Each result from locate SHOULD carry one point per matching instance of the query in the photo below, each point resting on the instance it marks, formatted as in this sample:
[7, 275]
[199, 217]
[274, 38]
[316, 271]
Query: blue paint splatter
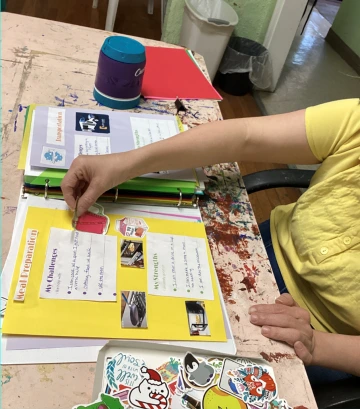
[62, 102]
[161, 111]
[10, 110]
[15, 123]
[20, 107]
[74, 96]
[196, 115]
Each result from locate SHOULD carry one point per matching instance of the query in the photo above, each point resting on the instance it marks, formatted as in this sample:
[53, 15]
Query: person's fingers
[286, 299]
[287, 335]
[295, 312]
[276, 320]
[303, 352]
[69, 187]
[89, 197]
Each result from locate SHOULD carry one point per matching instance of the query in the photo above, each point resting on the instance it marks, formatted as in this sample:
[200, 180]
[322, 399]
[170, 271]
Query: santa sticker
[151, 393]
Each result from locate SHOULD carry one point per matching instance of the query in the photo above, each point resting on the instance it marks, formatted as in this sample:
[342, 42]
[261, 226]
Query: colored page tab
[171, 74]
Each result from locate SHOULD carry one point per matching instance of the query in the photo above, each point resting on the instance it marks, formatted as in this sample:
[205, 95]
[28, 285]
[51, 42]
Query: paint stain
[15, 122]
[249, 280]
[276, 357]
[10, 209]
[44, 371]
[20, 108]
[3, 197]
[226, 283]
[237, 318]
[61, 101]
[5, 379]
[92, 369]
[255, 229]
[227, 236]
[300, 407]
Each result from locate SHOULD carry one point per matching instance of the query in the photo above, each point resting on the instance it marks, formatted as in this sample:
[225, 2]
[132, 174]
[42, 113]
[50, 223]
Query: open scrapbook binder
[46, 155]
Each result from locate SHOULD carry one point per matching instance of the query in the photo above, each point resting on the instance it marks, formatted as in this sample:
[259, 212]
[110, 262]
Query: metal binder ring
[46, 188]
[116, 194]
[180, 198]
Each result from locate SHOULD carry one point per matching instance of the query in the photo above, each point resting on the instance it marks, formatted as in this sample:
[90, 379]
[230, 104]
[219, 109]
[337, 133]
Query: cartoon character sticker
[53, 156]
[151, 393]
[253, 384]
[199, 373]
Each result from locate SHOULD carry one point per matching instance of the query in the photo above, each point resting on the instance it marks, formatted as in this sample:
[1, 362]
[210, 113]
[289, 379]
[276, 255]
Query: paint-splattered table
[53, 63]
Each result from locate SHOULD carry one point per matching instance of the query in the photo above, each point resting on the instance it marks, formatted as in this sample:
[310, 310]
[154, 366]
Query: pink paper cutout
[92, 223]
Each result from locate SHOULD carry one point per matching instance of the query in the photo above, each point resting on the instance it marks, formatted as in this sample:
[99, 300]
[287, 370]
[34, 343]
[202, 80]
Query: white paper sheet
[146, 131]
[91, 145]
[187, 260]
[79, 266]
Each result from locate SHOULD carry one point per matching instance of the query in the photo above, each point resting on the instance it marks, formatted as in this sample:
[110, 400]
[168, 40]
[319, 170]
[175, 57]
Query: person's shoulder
[331, 125]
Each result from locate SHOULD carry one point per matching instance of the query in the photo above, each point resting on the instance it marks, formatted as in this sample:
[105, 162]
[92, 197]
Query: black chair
[343, 394]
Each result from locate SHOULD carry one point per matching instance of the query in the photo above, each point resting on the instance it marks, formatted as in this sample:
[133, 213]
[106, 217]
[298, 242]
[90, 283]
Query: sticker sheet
[189, 381]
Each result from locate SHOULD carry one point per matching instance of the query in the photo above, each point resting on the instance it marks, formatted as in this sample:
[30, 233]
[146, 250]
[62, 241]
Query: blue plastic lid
[124, 49]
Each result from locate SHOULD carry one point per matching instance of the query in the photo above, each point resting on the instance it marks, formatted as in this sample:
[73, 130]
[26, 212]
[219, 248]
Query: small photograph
[132, 254]
[133, 309]
[197, 318]
[97, 123]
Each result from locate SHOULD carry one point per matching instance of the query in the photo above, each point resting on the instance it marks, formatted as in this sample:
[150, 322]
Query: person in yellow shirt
[316, 241]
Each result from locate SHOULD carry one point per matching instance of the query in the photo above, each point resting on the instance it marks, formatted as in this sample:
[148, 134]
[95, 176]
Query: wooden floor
[135, 21]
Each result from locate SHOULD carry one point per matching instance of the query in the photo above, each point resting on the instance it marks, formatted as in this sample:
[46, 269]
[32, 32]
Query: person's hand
[90, 176]
[286, 321]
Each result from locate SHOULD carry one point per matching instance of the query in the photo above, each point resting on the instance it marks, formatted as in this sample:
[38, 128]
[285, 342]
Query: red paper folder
[170, 73]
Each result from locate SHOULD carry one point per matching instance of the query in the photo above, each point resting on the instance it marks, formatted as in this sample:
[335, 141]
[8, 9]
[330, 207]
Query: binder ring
[116, 195]
[180, 198]
[46, 188]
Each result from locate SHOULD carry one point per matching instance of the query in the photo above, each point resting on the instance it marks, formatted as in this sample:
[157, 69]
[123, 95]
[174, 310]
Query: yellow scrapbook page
[145, 279]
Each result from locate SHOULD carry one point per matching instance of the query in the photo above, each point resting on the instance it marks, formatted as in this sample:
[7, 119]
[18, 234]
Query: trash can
[206, 28]
[245, 63]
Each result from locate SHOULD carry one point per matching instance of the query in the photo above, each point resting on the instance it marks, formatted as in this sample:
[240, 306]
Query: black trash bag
[245, 63]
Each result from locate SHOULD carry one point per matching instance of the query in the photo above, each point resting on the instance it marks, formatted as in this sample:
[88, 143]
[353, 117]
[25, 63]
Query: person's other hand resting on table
[315, 242]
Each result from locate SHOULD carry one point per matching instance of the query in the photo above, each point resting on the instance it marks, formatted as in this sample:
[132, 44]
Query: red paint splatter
[277, 356]
[300, 407]
[231, 302]
[225, 281]
[249, 280]
[255, 229]
[237, 318]
[3, 197]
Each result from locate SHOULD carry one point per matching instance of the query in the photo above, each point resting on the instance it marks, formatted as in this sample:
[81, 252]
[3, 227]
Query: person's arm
[279, 139]
[285, 321]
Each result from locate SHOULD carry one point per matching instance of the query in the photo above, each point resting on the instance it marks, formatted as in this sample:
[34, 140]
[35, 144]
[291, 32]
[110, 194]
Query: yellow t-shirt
[317, 239]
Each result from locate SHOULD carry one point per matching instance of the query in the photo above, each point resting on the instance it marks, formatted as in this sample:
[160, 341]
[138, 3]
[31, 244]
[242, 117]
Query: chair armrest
[342, 394]
[273, 178]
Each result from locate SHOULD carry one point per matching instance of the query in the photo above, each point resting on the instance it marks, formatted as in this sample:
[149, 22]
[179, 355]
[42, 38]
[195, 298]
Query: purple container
[120, 73]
